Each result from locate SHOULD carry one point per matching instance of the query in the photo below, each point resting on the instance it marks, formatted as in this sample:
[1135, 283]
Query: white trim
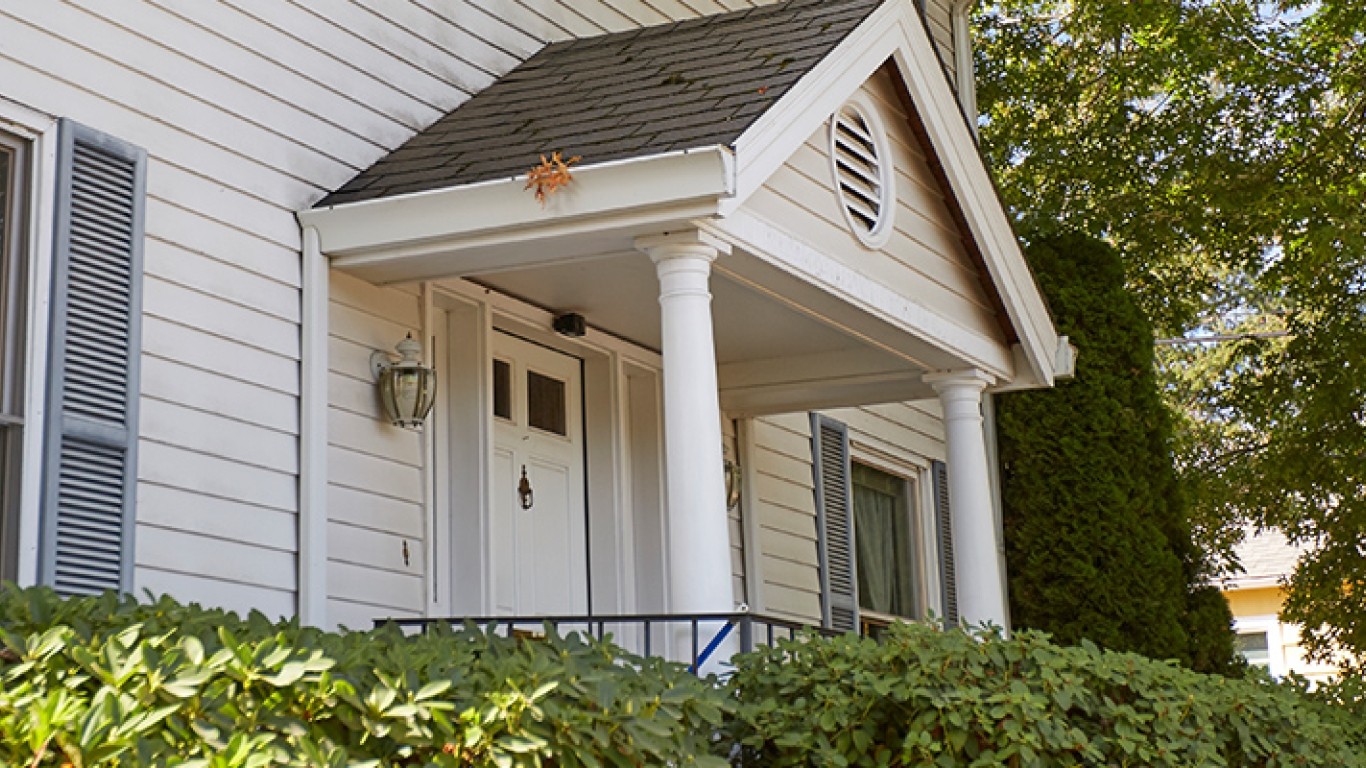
[747, 448]
[41, 130]
[772, 245]
[313, 409]
[398, 238]
[895, 31]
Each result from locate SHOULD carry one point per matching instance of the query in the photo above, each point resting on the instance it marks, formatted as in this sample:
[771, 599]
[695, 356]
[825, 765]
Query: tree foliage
[1097, 542]
[1217, 144]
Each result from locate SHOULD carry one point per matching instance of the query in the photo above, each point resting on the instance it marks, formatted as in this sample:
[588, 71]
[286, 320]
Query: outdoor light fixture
[732, 484]
[407, 388]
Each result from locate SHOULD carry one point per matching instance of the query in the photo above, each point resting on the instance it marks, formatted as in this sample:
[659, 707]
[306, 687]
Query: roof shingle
[648, 91]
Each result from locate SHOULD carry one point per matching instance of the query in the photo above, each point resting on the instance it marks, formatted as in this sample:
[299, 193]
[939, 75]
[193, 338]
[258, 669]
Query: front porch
[726, 288]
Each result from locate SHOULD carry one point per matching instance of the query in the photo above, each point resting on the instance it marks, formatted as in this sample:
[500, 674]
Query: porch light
[732, 472]
[407, 388]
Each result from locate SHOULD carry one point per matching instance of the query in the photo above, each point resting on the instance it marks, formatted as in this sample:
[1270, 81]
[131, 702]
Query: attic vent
[863, 178]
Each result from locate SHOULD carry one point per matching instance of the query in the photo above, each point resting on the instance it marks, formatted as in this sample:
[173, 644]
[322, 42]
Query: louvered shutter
[834, 523]
[948, 579]
[90, 462]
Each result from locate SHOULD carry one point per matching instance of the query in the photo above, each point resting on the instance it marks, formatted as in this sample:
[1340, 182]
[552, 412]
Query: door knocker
[524, 491]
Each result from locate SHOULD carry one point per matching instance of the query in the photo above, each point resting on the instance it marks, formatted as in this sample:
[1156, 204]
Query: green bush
[1097, 537]
[110, 681]
[925, 697]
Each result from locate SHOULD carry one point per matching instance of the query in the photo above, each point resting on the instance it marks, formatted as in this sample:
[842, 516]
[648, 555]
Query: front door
[539, 560]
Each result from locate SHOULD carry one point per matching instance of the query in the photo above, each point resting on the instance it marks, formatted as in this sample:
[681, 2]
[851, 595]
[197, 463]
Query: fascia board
[484, 212]
[894, 31]
[770, 244]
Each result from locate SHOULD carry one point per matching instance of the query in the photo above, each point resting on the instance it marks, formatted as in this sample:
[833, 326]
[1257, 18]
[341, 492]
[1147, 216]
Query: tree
[1097, 542]
[1217, 145]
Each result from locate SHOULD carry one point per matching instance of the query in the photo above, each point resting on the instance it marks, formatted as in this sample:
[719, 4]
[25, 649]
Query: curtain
[882, 542]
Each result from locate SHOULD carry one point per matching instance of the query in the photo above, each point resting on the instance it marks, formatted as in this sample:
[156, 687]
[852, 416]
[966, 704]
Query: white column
[699, 578]
[978, 570]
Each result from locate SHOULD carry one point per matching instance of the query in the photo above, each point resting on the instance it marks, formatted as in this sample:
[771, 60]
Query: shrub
[110, 681]
[925, 697]
[1097, 537]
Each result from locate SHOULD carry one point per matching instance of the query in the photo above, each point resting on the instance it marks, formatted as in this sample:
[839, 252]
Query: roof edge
[506, 208]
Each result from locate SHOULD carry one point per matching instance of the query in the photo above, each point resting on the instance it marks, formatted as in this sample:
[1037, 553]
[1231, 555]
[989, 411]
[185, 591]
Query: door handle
[524, 492]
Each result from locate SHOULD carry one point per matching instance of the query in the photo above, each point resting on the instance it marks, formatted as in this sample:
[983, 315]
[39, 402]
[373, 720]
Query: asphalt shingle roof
[691, 84]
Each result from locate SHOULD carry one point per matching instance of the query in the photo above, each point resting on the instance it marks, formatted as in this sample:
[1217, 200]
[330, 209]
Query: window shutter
[834, 523]
[948, 579]
[90, 462]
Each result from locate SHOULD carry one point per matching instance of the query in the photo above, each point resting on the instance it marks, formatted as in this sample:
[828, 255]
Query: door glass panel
[545, 403]
[502, 389]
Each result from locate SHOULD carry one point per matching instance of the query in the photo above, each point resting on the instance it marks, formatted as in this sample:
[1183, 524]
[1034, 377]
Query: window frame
[14, 324]
[909, 512]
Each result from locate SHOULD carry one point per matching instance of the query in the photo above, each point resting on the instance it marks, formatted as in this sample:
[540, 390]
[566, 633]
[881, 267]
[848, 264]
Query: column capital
[968, 379]
[683, 243]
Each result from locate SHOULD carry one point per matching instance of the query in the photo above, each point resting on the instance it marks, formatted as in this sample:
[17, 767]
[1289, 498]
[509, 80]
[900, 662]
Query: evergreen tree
[1097, 541]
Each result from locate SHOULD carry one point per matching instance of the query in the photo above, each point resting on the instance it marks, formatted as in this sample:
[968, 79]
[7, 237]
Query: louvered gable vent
[90, 463]
[862, 178]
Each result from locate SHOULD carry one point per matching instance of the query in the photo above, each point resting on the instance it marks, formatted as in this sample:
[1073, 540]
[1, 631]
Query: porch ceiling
[773, 354]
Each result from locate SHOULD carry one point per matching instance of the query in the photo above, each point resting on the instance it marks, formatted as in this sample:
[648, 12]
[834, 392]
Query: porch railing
[697, 638]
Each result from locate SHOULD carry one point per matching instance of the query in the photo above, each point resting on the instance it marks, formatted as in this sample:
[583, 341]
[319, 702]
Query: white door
[539, 560]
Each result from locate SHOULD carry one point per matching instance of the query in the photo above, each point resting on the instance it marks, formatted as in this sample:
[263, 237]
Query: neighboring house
[1255, 597]
[214, 212]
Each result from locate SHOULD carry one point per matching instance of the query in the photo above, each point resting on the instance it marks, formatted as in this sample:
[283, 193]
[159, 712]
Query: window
[878, 555]
[13, 193]
[1255, 647]
[884, 549]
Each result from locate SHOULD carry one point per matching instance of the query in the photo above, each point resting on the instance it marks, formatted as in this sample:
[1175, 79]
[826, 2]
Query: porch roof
[651, 91]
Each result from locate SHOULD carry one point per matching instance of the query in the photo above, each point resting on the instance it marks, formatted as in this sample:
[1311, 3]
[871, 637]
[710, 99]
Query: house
[1255, 598]
[778, 258]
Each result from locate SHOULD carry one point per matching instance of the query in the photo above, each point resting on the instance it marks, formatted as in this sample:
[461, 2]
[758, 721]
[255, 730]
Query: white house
[791, 267]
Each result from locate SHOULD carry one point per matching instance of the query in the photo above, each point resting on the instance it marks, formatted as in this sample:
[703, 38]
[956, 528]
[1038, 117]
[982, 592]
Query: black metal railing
[697, 638]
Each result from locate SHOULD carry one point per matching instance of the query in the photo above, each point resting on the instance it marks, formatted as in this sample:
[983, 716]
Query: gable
[926, 248]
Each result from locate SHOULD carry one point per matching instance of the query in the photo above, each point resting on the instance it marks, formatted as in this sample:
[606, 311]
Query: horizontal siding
[786, 508]
[376, 501]
[939, 23]
[925, 257]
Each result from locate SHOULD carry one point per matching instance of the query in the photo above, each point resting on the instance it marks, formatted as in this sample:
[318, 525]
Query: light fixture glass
[407, 388]
[733, 483]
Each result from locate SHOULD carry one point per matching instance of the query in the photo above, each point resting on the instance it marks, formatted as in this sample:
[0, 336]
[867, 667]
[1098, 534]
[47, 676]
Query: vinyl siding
[939, 23]
[251, 111]
[925, 257]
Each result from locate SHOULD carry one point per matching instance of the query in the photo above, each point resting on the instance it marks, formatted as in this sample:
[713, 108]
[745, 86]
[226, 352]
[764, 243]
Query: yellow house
[1256, 597]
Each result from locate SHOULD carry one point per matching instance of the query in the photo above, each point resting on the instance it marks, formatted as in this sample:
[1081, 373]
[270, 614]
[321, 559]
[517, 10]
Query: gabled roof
[697, 83]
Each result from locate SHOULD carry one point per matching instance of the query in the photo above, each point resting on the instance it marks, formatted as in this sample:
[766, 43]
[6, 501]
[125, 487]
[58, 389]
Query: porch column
[699, 578]
[977, 562]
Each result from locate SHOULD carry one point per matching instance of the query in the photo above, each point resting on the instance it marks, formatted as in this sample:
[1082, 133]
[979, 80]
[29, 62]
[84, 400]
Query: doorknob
[524, 492]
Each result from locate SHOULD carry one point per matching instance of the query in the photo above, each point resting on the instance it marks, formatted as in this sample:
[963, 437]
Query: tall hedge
[1097, 541]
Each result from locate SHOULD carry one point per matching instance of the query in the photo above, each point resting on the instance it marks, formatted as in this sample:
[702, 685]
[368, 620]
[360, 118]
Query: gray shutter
[90, 461]
[834, 523]
[948, 579]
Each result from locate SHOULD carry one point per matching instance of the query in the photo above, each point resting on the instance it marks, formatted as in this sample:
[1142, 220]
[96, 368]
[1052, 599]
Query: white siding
[939, 23]
[376, 499]
[925, 258]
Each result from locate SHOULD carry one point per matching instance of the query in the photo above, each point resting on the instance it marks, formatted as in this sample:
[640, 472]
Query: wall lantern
[407, 388]
[732, 471]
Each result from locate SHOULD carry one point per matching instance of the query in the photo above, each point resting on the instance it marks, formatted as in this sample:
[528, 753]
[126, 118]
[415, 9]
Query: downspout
[312, 594]
[965, 78]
